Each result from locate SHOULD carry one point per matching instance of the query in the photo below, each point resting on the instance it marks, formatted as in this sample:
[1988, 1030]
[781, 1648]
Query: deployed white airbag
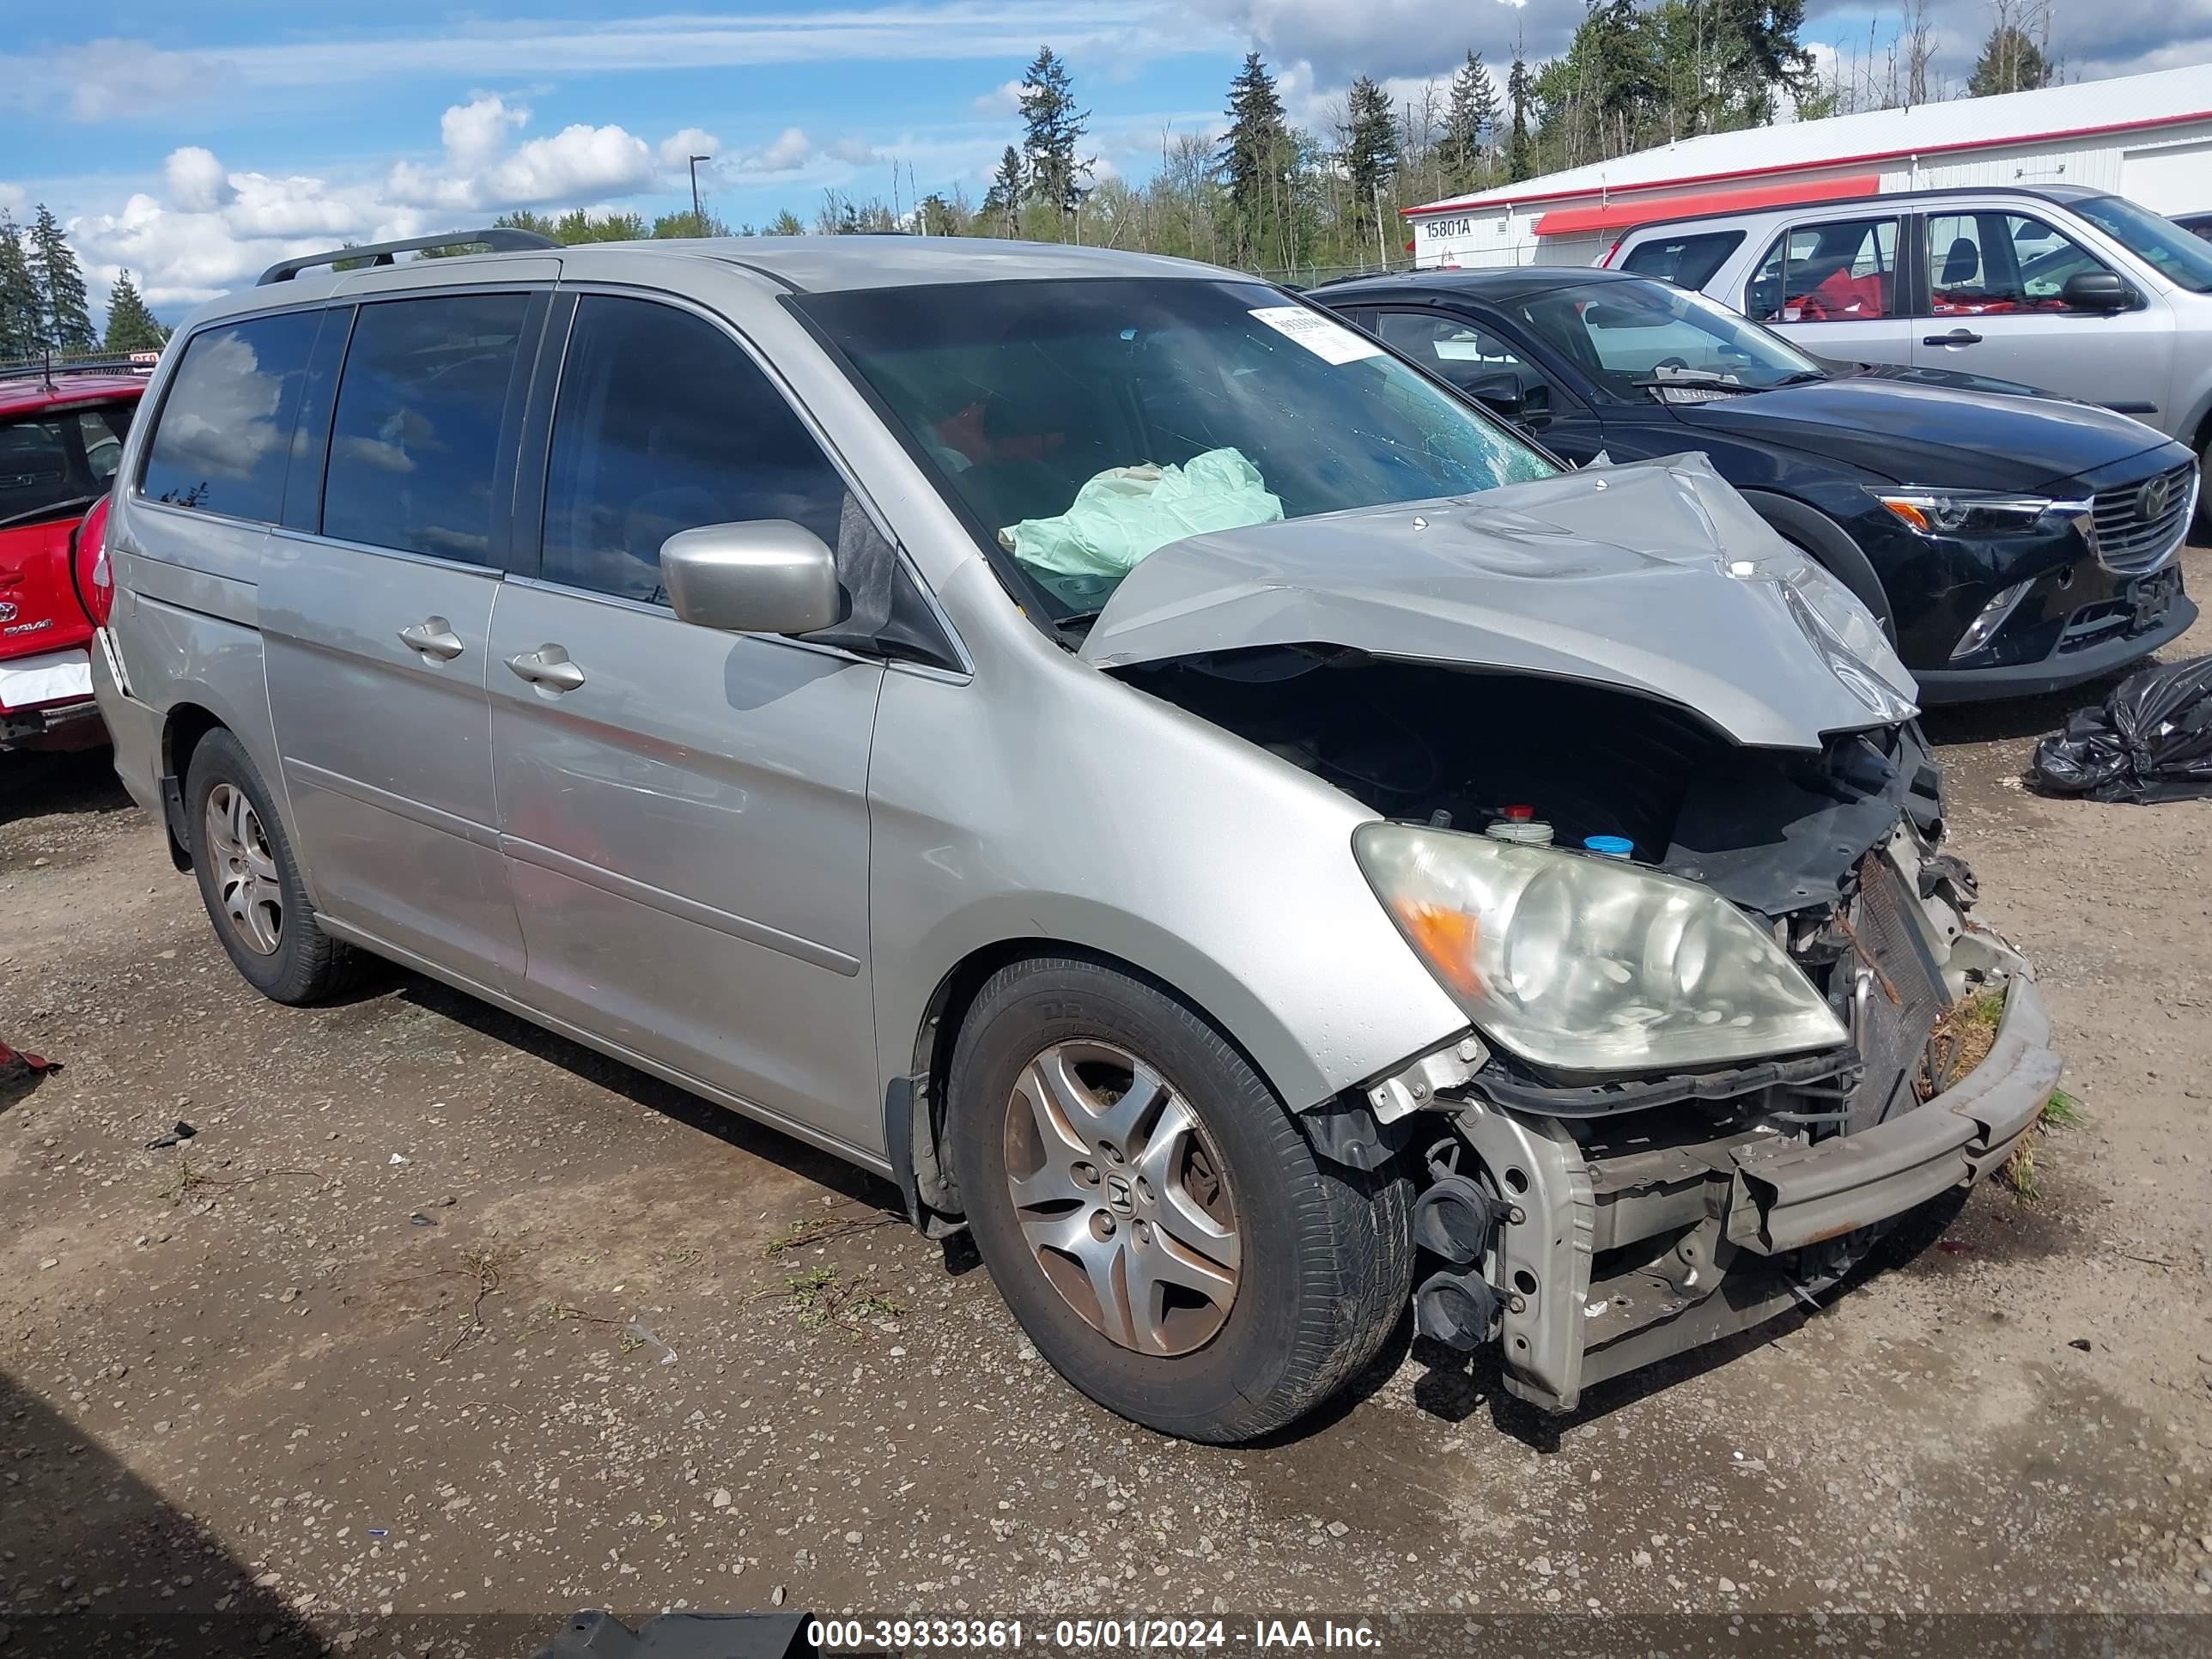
[1125, 512]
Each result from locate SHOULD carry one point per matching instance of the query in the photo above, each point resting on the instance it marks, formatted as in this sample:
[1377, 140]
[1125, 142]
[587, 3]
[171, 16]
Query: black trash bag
[2149, 740]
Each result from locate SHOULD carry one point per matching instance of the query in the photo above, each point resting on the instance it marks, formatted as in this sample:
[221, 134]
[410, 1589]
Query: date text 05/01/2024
[830, 1636]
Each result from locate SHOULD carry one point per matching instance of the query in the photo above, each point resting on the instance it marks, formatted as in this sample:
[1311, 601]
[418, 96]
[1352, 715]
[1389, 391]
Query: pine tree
[22, 330]
[1470, 122]
[2010, 62]
[130, 326]
[785, 223]
[1252, 149]
[1055, 127]
[1370, 149]
[66, 316]
[1002, 203]
[1520, 150]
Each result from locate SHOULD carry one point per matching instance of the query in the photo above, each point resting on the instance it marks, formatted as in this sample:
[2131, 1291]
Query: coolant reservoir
[1521, 825]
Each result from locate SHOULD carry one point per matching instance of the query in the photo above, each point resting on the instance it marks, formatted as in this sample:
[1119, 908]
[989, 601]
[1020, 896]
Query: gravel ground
[440, 1326]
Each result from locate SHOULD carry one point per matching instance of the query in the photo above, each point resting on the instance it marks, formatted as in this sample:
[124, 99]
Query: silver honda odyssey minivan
[1100, 744]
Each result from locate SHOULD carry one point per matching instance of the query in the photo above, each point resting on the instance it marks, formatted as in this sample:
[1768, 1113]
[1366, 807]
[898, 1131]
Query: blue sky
[195, 143]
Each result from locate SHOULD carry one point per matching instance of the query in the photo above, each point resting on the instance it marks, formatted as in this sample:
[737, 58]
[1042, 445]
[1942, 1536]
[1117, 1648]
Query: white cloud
[12, 199]
[791, 151]
[197, 182]
[855, 152]
[1005, 99]
[216, 226]
[477, 131]
[110, 79]
[577, 161]
[678, 148]
[131, 77]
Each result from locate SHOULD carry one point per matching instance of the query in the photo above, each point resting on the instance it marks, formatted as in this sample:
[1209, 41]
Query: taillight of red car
[95, 579]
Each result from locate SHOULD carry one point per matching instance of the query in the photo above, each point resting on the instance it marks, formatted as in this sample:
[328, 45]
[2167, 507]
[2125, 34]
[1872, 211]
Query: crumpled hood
[1611, 575]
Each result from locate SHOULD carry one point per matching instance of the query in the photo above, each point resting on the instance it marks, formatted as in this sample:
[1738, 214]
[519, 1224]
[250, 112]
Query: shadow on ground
[35, 785]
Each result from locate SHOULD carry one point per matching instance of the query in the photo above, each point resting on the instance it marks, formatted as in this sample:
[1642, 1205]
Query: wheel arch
[917, 1101]
[183, 728]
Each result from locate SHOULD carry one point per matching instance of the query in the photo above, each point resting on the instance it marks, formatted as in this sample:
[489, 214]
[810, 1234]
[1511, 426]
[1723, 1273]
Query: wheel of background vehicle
[1152, 1215]
[250, 882]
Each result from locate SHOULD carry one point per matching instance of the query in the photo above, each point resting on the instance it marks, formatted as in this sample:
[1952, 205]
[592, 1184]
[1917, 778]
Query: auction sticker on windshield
[1331, 342]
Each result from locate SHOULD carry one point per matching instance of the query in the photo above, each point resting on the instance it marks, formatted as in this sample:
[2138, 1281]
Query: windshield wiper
[51, 510]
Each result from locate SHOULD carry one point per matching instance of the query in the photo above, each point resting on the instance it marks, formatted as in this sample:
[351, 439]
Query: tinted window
[51, 465]
[415, 440]
[1845, 272]
[664, 424]
[226, 424]
[1684, 261]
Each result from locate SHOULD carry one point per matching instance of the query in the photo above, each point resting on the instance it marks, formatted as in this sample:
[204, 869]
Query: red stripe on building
[1620, 215]
[1498, 204]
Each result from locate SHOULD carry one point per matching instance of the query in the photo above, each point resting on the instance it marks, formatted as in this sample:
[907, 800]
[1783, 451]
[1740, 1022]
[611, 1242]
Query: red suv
[61, 438]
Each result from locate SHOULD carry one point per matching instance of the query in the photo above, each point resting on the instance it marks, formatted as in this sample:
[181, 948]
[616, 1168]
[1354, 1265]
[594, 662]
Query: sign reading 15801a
[1446, 226]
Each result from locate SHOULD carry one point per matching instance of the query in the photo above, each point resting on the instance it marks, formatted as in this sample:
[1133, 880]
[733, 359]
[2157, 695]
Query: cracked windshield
[1082, 425]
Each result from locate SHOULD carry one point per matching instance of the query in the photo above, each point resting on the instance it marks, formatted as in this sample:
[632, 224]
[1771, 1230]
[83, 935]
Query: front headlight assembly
[1978, 512]
[1588, 965]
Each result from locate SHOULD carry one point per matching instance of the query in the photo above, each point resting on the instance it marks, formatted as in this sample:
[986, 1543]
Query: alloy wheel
[252, 892]
[1122, 1198]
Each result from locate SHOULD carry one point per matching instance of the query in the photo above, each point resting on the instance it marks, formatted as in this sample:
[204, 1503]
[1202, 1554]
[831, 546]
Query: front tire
[1153, 1217]
[250, 880]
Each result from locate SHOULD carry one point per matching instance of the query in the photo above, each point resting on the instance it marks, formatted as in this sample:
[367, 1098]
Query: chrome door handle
[1956, 336]
[548, 666]
[432, 636]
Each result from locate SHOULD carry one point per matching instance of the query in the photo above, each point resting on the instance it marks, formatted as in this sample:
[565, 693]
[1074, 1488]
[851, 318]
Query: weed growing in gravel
[2061, 1111]
[821, 1295]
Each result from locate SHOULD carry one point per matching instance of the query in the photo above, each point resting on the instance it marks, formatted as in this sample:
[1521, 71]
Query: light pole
[698, 219]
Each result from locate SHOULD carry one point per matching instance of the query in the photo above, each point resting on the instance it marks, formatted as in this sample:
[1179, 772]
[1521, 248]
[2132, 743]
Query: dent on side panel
[1046, 799]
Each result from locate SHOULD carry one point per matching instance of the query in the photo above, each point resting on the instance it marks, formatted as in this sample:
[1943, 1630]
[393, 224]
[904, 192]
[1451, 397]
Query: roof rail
[106, 362]
[500, 239]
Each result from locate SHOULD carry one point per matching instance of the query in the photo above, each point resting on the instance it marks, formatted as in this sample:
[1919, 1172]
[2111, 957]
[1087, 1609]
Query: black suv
[2011, 543]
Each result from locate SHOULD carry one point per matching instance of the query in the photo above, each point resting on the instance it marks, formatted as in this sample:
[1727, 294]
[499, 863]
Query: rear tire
[250, 880]
[1320, 1256]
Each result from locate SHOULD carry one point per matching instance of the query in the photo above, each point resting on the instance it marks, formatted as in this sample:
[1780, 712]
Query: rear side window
[1845, 272]
[1684, 261]
[415, 438]
[663, 424]
[226, 424]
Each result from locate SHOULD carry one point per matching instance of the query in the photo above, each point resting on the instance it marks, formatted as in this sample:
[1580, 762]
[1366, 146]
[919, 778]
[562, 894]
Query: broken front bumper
[1608, 1262]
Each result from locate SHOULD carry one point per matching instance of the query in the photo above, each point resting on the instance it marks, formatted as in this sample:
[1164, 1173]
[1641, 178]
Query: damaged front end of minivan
[1659, 819]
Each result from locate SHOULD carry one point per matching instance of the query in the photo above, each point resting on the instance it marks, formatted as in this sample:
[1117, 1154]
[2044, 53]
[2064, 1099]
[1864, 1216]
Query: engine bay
[1778, 831]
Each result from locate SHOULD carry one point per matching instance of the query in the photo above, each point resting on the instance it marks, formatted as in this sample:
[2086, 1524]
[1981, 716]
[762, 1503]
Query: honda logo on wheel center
[1119, 1197]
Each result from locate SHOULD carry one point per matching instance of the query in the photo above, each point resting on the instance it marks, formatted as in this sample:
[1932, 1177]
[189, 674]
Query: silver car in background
[1095, 741]
[2078, 292]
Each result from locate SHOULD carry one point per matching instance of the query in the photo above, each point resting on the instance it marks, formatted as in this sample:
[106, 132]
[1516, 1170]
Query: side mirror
[2096, 290]
[762, 576]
